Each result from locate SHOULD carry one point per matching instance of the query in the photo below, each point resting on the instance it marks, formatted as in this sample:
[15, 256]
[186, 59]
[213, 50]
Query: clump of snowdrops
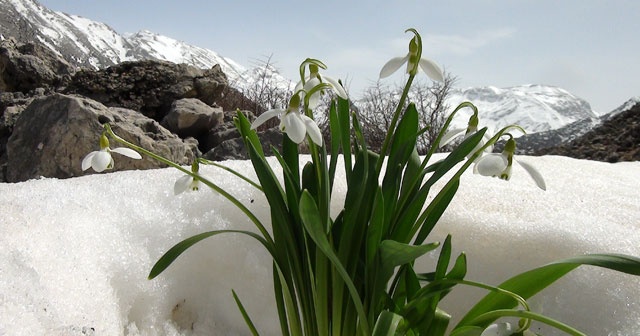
[353, 274]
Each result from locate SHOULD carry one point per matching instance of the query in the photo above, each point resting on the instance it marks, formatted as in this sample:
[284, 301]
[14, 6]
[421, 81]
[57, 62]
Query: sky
[587, 47]
[72, 263]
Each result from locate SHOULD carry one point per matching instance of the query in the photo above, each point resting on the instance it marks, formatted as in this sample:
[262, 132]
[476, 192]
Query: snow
[75, 253]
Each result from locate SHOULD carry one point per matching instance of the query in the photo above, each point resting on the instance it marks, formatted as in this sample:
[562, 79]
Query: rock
[190, 117]
[222, 132]
[55, 132]
[233, 149]
[27, 66]
[149, 86]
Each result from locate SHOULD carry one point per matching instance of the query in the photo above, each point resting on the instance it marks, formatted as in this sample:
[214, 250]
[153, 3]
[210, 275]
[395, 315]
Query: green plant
[353, 274]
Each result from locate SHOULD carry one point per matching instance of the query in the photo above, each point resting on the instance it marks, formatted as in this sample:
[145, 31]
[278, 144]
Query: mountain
[87, 43]
[537, 108]
[535, 143]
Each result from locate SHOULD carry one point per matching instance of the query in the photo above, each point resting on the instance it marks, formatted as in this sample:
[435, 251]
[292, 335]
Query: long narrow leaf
[531, 282]
[170, 256]
[387, 324]
[246, 317]
[312, 222]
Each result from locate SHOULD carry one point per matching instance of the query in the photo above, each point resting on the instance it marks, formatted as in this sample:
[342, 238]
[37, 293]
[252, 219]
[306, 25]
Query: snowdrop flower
[499, 329]
[499, 165]
[314, 79]
[101, 160]
[187, 182]
[413, 60]
[292, 122]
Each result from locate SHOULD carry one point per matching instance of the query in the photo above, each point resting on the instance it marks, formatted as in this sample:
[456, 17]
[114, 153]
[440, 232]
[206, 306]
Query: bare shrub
[258, 90]
[375, 110]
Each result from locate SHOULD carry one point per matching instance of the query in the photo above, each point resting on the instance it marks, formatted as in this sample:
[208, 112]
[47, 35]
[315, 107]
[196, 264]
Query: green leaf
[336, 139]
[310, 216]
[467, 331]
[404, 138]
[531, 282]
[248, 135]
[387, 324]
[246, 317]
[170, 256]
[438, 326]
[393, 253]
[435, 210]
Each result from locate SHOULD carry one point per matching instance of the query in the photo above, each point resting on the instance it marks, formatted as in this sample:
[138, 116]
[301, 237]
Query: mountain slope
[535, 107]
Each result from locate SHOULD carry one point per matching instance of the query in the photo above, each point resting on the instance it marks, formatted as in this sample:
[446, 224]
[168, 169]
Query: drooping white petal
[101, 161]
[393, 65]
[182, 184]
[337, 88]
[313, 130]
[128, 152]
[294, 127]
[450, 135]
[499, 329]
[86, 162]
[490, 165]
[431, 69]
[266, 116]
[535, 174]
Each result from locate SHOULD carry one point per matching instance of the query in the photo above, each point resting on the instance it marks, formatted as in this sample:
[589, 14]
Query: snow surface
[75, 253]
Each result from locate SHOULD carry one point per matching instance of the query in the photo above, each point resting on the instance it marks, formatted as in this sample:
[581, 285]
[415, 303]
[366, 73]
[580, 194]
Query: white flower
[184, 183]
[101, 160]
[499, 165]
[428, 66]
[314, 80]
[292, 122]
[499, 329]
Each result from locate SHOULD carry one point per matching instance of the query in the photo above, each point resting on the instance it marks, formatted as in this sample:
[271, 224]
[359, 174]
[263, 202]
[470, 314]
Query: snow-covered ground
[75, 253]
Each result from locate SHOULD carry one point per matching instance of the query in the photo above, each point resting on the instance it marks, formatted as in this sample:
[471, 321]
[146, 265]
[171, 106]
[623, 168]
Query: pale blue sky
[590, 48]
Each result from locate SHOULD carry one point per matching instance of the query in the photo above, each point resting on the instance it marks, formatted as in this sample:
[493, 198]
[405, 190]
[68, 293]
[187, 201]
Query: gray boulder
[233, 149]
[222, 132]
[54, 133]
[190, 117]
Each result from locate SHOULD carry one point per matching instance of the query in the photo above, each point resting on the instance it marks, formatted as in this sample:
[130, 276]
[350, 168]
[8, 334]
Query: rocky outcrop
[25, 67]
[149, 87]
[190, 117]
[54, 133]
[616, 139]
[233, 149]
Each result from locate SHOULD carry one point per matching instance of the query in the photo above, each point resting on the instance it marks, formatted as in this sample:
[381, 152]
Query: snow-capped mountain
[88, 43]
[537, 108]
